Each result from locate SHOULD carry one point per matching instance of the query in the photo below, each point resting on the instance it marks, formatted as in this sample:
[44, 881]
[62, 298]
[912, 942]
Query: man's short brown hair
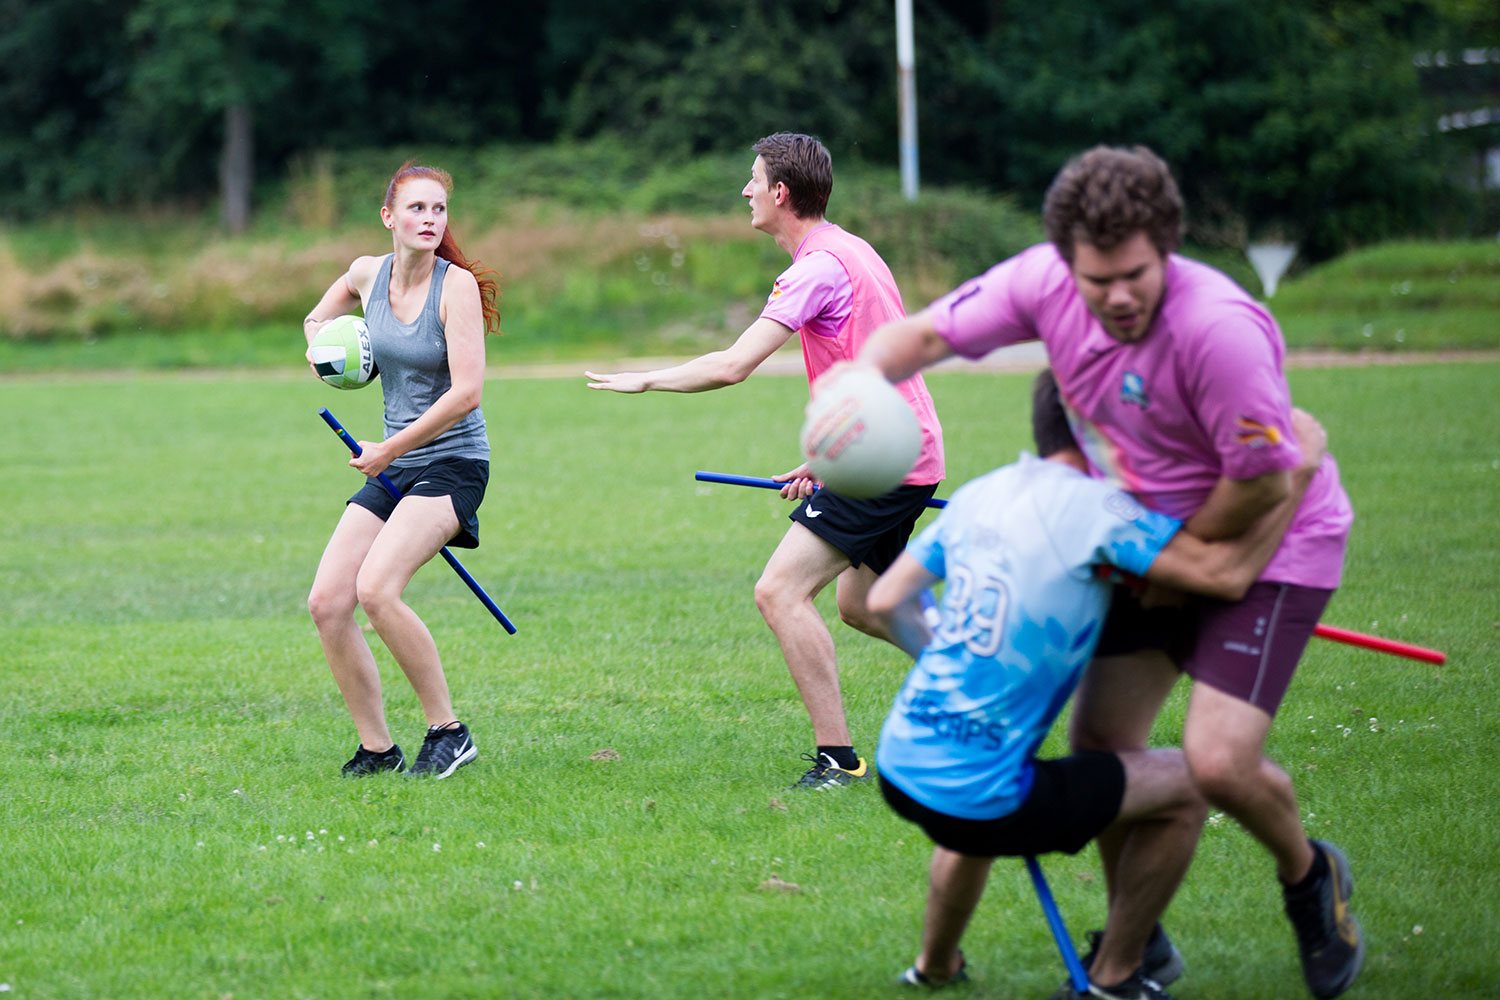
[801, 163]
[1107, 194]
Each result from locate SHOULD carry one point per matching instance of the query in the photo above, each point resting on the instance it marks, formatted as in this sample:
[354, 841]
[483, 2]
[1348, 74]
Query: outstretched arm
[1226, 568]
[709, 371]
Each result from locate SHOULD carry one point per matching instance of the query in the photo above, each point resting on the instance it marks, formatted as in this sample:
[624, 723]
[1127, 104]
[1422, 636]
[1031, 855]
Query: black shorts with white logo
[1072, 800]
[870, 532]
[461, 479]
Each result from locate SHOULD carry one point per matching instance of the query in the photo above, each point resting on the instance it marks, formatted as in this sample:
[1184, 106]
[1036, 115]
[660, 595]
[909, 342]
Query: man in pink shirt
[1172, 379]
[835, 293]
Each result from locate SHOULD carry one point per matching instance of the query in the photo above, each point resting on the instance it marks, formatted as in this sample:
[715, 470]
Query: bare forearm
[1234, 506]
[1226, 568]
[444, 414]
[908, 628]
[902, 348]
[711, 371]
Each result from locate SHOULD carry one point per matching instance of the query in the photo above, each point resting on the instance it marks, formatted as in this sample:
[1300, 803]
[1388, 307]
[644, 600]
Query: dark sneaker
[368, 762]
[1161, 963]
[444, 751]
[825, 773]
[1137, 987]
[1328, 936]
[911, 977]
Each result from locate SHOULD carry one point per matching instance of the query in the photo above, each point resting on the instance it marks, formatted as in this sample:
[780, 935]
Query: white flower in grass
[516, 885]
[324, 833]
[311, 835]
[479, 844]
[341, 838]
[1417, 929]
[280, 838]
[437, 848]
[373, 843]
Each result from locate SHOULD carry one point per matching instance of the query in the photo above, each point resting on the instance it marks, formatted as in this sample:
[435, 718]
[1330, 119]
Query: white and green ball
[341, 353]
[861, 437]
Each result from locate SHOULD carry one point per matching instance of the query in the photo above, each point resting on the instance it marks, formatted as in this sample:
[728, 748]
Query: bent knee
[1105, 731]
[1224, 777]
[856, 614]
[327, 605]
[771, 597]
[375, 595]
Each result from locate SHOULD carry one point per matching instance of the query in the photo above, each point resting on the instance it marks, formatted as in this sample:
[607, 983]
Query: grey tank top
[413, 361]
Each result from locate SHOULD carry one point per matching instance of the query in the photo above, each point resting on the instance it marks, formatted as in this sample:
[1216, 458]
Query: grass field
[175, 826]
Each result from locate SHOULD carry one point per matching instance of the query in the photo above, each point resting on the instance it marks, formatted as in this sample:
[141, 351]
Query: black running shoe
[825, 773]
[1328, 936]
[368, 762]
[1162, 963]
[1137, 987]
[911, 977]
[444, 751]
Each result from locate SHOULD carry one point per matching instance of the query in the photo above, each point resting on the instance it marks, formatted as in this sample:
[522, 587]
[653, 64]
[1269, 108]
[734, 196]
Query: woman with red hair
[428, 309]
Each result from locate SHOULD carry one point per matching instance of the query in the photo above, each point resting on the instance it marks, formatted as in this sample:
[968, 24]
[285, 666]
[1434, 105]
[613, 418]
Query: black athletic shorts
[871, 532]
[1072, 800]
[461, 479]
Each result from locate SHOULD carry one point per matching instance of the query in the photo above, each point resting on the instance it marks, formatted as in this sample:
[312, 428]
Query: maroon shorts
[1248, 648]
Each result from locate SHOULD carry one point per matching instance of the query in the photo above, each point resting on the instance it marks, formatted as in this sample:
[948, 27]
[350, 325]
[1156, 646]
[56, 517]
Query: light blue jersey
[1022, 550]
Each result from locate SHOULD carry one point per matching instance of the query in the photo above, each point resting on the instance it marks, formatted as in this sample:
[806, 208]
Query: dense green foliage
[175, 824]
[1311, 120]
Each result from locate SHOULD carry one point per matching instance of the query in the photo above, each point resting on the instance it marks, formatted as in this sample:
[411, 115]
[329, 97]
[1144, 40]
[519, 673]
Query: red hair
[489, 287]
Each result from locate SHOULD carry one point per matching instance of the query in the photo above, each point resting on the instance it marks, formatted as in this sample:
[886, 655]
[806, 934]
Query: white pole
[906, 73]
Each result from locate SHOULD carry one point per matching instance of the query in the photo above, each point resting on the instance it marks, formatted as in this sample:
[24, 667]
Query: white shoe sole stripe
[463, 758]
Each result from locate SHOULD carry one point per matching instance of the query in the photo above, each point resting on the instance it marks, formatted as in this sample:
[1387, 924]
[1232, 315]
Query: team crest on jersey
[1254, 434]
[776, 290]
[1133, 390]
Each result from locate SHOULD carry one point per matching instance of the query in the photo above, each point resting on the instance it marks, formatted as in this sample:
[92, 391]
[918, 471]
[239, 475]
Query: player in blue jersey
[1028, 551]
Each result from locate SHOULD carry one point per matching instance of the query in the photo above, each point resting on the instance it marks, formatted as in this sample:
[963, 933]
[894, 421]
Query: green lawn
[175, 826]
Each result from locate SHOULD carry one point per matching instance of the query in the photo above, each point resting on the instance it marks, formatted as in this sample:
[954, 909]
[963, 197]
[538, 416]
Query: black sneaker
[369, 762]
[911, 977]
[1161, 964]
[1328, 936]
[1137, 987]
[444, 751]
[825, 773]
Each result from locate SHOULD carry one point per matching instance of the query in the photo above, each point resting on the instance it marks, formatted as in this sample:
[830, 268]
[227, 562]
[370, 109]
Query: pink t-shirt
[1202, 396]
[835, 293]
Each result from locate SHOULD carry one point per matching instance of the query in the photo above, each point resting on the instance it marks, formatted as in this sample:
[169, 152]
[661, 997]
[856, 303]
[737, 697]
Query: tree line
[1310, 121]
